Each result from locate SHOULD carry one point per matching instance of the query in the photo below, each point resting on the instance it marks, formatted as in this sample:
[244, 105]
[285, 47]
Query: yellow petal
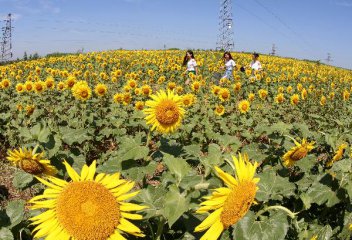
[129, 227]
[131, 216]
[127, 196]
[71, 172]
[214, 231]
[210, 220]
[227, 178]
[128, 207]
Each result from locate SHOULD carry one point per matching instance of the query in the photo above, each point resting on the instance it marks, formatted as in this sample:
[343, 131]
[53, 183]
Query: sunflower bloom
[146, 90]
[297, 152]
[263, 94]
[251, 97]
[338, 155]
[322, 100]
[224, 94]
[295, 99]
[81, 91]
[39, 87]
[219, 110]
[164, 112]
[244, 106]
[196, 86]
[279, 98]
[88, 207]
[118, 98]
[100, 89]
[5, 83]
[61, 86]
[215, 90]
[231, 203]
[188, 100]
[19, 87]
[30, 161]
[139, 105]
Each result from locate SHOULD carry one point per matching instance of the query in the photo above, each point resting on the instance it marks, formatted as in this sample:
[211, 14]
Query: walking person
[191, 64]
[255, 64]
[229, 66]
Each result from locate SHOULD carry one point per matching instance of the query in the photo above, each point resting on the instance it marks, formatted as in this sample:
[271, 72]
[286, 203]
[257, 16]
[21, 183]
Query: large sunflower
[297, 152]
[229, 204]
[88, 207]
[165, 111]
[30, 161]
[81, 91]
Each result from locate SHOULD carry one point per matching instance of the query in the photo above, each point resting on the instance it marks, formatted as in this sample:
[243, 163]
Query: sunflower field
[116, 145]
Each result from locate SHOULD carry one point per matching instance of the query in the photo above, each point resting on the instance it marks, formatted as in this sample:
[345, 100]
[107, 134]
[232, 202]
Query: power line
[263, 21]
[299, 36]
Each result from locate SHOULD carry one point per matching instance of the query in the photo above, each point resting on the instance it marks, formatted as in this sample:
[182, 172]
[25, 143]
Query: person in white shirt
[191, 64]
[229, 65]
[255, 64]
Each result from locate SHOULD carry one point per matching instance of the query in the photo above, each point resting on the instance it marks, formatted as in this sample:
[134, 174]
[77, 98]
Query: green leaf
[325, 233]
[130, 149]
[253, 152]
[274, 187]
[175, 204]
[71, 136]
[192, 150]
[153, 197]
[15, 211]
[22, 179]
[40, 132]
[232, 141]
[213, 157]
[273, 227]
[189, 182]
[279, 127]
[320, 194]
[6, 234]
[177, 166]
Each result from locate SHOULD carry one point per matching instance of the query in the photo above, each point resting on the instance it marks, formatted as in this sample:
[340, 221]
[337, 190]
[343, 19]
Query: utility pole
[225, 39]
[6, 45]
[329, 58]
[273, 50]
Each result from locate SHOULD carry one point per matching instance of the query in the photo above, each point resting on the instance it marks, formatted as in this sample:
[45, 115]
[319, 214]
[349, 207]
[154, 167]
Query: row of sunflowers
[126, 145]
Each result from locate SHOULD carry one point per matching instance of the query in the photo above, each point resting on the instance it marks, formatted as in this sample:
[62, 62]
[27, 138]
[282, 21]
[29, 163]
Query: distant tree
[35, 56]
[25, 57]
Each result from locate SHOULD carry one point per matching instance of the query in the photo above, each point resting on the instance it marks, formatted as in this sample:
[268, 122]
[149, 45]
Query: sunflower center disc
[31, 166]
[238, 203]
[87, 210]
[299, 154]
[84, 93]
[167, 112]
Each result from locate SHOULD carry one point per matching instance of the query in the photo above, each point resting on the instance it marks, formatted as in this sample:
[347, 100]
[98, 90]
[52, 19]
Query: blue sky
[306, 29]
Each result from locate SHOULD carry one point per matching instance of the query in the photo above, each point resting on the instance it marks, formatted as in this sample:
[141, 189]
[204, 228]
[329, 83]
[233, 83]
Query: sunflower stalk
[160, 228]
[289, 212]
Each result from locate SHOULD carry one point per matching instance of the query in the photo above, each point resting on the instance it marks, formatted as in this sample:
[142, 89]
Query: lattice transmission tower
[225, 39]
[6, 45]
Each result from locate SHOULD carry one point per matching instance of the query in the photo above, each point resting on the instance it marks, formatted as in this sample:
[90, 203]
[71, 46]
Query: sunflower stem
[160, 228]
[289, 213]
[148, 138]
